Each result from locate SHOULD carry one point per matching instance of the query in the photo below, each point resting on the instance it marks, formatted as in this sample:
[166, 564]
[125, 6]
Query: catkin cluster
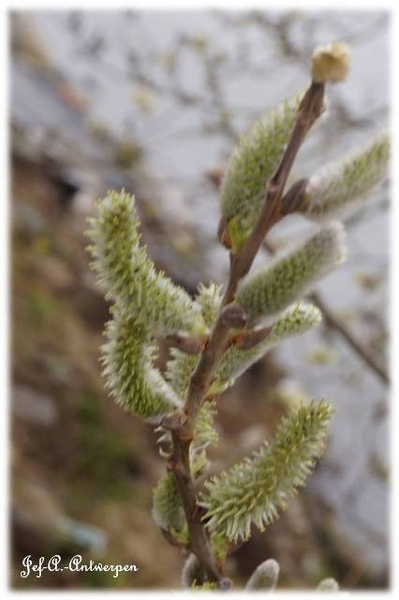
[267, 309]
[145, 304]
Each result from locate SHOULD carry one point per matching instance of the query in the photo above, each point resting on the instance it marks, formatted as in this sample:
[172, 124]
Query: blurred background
[153, 101]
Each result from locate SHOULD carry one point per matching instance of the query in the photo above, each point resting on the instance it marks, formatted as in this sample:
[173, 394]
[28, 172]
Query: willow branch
[179, 463]
[182, 426]
[310, 109]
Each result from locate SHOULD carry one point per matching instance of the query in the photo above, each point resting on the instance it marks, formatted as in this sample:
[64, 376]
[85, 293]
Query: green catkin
[205, 434]
[328, 585]
[167, 509]
[264, 577]
[127, 274]
[296, 319]
[255, 489]
[178, 370]
[180, 365]
[290, 275]
[251, 164]
[338, 190]
[209, 298]
[127, 356]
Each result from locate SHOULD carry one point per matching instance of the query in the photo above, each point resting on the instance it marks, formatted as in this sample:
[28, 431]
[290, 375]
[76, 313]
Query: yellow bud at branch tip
[330, 63]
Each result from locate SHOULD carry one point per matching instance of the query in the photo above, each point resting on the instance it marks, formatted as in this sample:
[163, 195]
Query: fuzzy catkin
[255, 489]
[128, 275]
[297, 319]
[127, 356]
[338, 190]
[209, 298]
[328, 585]
[179, 369]
[265, 576]
[167, 509]
[251, 164]
[271, 290]
[180, 365]
[205, 434]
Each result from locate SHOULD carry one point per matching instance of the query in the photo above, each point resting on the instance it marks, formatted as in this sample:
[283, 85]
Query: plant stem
[179, 462]
[310, 109]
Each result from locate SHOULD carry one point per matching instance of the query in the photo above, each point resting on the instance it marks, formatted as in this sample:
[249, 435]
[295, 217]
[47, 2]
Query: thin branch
[351, 339]
[182, 425]
[179, 463]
